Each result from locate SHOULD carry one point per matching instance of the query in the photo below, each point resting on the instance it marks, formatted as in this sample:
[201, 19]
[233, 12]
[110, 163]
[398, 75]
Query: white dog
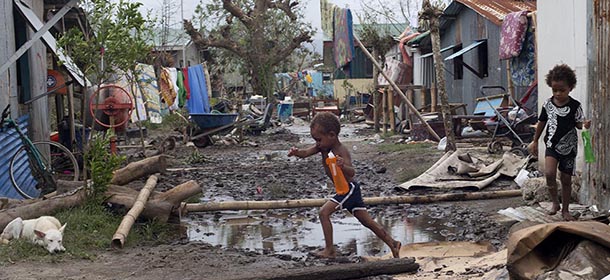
[46, 231]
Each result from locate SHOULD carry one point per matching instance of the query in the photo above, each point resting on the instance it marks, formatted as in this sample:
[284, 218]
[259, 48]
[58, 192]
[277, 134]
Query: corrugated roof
[496, 10]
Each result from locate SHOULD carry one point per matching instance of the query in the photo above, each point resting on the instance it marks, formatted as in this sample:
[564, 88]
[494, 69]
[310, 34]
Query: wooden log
[118, 240]
[344, 271]
[418, 199]
[139, 169]
[40, 207]
[390, 100]
[160, 206]
[180, 193]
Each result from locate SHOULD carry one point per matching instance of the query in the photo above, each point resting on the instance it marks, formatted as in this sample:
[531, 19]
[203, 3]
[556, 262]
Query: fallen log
[118, 240]
[40, 207]
[344, 271]
[417, 199]
[160, 206]
[139, 169]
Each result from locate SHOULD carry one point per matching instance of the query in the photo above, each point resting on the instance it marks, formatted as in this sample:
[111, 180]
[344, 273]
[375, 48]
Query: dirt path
[236, 172]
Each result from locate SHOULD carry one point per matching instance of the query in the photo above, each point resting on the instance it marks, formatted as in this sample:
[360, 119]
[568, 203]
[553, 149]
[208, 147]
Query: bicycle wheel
[27, 177]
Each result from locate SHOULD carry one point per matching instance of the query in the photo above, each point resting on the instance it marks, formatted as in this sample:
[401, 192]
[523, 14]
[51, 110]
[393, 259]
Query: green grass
[89, 230]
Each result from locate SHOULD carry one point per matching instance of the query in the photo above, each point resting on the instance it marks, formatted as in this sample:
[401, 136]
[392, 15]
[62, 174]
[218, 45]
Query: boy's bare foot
[327, 254]
[396, 249]
[567, 216]
[553, 210]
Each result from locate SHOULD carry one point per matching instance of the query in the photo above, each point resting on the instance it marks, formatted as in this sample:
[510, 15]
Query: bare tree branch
[205, 42]
[237, 12]
[296, 42]
[286, 6]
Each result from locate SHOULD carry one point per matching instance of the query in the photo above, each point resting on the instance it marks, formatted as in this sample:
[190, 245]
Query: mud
[263, 172]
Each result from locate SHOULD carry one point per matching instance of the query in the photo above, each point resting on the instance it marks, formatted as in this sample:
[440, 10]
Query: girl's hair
[326, 122]
[562, 72]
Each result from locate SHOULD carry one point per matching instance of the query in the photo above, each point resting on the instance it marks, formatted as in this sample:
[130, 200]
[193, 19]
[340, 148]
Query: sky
[312, 12]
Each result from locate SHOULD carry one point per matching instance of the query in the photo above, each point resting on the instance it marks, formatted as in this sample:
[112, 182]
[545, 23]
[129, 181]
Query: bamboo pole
[397, 89]
[302, 203]
[118, 240]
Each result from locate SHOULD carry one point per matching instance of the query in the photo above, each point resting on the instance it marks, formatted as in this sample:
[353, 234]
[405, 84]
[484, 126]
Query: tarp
[445, 173]
[534, 250]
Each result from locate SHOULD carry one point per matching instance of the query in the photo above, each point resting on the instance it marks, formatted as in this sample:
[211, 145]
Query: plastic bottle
[586, 140]
[341, 186]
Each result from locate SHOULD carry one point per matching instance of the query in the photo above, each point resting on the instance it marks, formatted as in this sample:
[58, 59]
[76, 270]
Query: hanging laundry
[168, 93]
[199, 102]
[514, 27]
[139, 114]
[523, 67]
[187, 87]
[181, 89]
[173, 75]
[150, 91]
[343, 38]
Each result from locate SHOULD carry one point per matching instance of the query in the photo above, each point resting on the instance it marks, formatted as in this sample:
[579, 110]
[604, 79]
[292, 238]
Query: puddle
[284, 234]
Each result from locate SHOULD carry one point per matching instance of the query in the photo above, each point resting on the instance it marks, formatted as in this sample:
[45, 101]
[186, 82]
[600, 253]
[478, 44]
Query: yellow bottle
[341, 186]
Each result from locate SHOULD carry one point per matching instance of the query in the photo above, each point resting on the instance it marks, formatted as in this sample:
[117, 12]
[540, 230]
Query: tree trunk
[139, 169]
[118, 240]
[345, 271]
[251, 205]
[161, 205]
[440, 77]
[40, 207]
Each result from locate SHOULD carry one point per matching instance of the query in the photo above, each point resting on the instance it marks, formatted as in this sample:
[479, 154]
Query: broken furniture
[258, 125]
[325, 105]
[302, 109]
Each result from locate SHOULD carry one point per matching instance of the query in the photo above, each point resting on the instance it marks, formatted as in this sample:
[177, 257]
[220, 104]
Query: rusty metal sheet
[496, 10]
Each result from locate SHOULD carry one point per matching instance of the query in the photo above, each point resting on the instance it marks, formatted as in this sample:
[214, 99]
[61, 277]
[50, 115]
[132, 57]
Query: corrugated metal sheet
[10, 141]
[496, 10]
[597, 177]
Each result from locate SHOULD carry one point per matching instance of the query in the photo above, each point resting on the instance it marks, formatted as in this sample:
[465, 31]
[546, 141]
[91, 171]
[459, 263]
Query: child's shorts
[565, 162]
[352, 200]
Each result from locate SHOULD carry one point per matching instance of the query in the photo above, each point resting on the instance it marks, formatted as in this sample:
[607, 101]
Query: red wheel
[116, 102]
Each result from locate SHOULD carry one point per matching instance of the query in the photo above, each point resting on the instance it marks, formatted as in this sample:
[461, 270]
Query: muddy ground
[263, 172]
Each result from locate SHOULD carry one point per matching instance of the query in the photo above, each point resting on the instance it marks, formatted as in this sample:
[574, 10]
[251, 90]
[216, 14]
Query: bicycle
[36, 166]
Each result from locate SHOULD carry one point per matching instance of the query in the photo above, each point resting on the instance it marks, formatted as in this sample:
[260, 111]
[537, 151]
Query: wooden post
[37, 56]
[509, 82]
[393, 84]
[376, 109]
[8, 79]
[432, 14]
[433, 99]
[390, 98]
[384, 106]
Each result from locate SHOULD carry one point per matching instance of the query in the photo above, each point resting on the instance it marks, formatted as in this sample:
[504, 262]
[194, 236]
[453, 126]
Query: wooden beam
[343, 270]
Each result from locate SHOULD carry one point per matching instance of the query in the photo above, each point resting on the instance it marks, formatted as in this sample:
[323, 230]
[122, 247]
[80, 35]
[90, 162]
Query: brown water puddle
[286, 233]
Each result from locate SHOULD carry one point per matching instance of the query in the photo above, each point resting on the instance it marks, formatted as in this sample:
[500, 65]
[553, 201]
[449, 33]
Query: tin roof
[496, 10]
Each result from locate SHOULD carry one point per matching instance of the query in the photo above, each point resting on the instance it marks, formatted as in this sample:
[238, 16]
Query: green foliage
[89, 230]
[118, 29]
[195, 158]
[255, 40]
[102, 163]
